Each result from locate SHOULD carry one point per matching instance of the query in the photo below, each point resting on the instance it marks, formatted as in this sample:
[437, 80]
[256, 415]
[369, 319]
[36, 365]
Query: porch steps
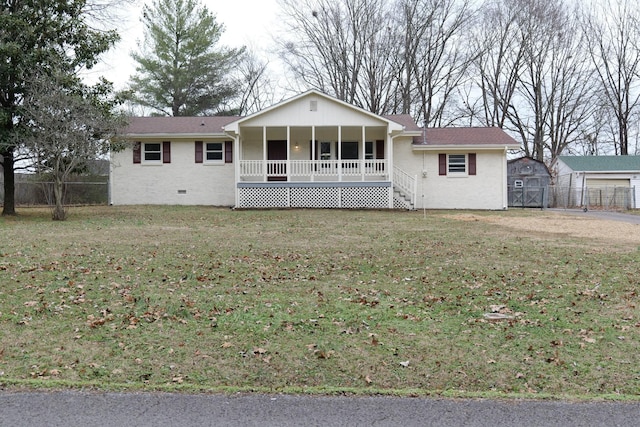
[402, 200]
[404, 189]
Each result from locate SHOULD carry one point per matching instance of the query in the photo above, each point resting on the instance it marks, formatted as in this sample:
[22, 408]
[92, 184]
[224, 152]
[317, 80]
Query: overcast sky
[247, 23]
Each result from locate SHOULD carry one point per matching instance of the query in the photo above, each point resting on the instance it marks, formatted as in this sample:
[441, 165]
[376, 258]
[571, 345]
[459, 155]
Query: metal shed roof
[602, 163]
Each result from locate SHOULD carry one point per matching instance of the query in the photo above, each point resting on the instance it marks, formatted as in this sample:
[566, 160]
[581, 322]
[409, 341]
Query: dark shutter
[380, 149]
[137, 152]
[166, 152]
[472, 163]
[442, 164]
[198, 151]
[228, 151]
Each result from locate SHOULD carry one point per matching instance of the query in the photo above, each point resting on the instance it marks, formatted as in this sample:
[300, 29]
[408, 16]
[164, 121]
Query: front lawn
[206, 299]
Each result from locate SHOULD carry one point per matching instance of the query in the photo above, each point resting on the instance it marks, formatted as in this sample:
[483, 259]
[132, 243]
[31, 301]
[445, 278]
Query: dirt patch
[602, 232]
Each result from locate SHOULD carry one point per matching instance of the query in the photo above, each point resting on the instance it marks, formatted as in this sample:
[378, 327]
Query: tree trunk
[9, 207]
[59, 213]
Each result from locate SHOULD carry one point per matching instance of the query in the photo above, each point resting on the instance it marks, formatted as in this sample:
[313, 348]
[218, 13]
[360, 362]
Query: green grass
[200, 299]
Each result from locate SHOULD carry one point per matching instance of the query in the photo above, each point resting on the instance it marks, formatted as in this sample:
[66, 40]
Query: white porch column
[236, 161]
[264, 153]
[390, 166]
[339, 153]
[362, 156]
[313, 152]
[288, 161]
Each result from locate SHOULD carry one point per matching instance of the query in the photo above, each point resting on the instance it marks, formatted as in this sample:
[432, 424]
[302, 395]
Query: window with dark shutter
[198, 151]
[228, 151]
[472, 163]
[442, 164]
[137, 152]
[166, 152]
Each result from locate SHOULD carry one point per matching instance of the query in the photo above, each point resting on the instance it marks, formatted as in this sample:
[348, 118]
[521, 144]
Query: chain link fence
[600, 197]
[29, 193]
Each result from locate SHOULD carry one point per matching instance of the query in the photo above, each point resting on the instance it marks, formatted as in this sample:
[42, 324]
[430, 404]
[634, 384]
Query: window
[214, 152]
[152, 152]
[457, 163]
[349, 150]
[325, 151]
[368, 150]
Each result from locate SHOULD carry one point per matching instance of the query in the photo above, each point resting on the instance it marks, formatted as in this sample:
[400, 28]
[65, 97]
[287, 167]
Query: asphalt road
[604, 215]
[88, 409]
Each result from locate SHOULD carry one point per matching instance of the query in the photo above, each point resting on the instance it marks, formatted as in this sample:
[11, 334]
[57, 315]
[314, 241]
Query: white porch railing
[308, 170]
[405, 184]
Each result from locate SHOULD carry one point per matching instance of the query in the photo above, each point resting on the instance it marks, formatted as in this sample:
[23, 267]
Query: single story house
[599, 180]
[310, 151]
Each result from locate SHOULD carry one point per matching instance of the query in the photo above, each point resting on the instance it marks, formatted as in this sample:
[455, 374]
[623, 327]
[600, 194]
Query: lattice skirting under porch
[320, 195]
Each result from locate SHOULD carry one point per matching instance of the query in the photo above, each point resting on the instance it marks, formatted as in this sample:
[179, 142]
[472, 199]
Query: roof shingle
[178, 125]
[464, 136]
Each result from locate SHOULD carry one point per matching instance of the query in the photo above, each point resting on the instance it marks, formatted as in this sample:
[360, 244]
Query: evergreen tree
[181, 71]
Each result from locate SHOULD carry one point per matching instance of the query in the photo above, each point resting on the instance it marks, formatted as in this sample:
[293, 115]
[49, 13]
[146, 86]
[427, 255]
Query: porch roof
[394, 126]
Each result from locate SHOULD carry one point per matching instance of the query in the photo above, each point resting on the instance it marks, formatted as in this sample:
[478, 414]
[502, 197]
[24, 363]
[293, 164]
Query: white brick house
[310, 151]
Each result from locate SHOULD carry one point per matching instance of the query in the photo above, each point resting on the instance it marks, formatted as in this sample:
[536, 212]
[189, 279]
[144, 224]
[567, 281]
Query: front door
[277, 150]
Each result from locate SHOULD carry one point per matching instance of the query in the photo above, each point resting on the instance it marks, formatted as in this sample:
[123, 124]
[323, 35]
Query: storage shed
[528, 183]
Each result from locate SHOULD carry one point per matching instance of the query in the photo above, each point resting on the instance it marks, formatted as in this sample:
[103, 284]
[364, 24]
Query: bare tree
[534, 75]
[435, 55]
[342, 48]
[257, 87]
[612, 31]
[569, 92]
[69, 124]
[499, 62]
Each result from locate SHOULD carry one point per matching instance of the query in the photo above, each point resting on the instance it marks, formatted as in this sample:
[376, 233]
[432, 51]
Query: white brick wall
[485, 190]
[202, 184]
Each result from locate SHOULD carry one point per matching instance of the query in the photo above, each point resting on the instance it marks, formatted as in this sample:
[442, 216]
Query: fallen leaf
[367, 379]
[226, 345]
[589, 340]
